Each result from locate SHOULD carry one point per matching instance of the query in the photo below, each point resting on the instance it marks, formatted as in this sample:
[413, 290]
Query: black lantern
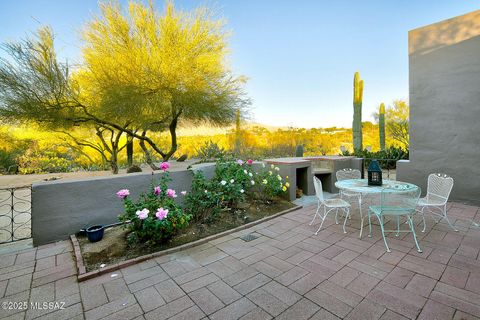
[374, 174]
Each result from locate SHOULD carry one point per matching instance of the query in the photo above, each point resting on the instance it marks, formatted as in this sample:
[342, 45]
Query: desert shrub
[46, 161]
[386, 158]
[133, 169]
[155, 217]
[8, 160]
[210, 151]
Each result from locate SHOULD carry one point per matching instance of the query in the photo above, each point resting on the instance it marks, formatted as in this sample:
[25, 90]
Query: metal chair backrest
[317, 183]
[439, 187]
[402, 199]
[348, 173]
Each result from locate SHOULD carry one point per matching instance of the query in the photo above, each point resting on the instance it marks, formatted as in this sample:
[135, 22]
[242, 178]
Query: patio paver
[286, 273]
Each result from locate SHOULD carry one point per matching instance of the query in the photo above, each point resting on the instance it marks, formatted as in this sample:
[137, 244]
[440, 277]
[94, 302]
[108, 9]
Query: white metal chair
[438, 190]
[328, 205]
[347, 174]
[398, 202]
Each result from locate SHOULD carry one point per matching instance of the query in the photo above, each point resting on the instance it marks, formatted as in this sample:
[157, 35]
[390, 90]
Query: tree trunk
[129, 150]
[173, 134]
[114, 161]
[148, 156]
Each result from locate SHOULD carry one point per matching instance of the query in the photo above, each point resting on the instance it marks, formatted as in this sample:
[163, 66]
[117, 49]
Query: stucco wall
[444, 66]
[61, 208]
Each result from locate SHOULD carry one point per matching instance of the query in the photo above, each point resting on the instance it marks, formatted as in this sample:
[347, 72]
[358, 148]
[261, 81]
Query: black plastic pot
[95, 233]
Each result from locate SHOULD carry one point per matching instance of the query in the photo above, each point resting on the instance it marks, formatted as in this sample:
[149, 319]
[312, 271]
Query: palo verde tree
[154, 71]
[36, 87]
[142, 72]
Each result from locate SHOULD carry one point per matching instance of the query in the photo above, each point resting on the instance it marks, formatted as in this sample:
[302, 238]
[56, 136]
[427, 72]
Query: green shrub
[203, 202]
[234, 182]
[270, 182]
[390, 156]
[210, 151]
[155, 217]
[134, 169]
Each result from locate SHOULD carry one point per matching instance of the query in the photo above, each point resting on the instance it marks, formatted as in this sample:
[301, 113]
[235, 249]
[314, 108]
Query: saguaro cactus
[238, 133]
[381, 125]
[357, 112]
[299, 151]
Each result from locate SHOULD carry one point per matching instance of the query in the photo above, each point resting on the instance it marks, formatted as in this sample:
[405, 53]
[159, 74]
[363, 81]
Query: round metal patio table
[361, 186]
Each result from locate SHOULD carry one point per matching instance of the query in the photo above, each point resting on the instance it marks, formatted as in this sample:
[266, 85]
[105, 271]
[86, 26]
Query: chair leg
[410, 222]
[380, 219]
[323, 220]
[369, 225]
[316, 213]
[446, 218]
[398, 226]
[347, 212]
[336, 216]
[361, 215]
[423, 217]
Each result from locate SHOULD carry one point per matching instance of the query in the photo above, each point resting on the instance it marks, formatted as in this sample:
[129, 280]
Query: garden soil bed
[114, 248]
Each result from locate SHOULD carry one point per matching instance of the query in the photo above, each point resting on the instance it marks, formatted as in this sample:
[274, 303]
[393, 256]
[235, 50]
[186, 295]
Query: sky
[299, 56]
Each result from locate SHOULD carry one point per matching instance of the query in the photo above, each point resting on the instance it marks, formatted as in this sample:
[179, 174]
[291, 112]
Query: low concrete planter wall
[62, 208]
[83, 275]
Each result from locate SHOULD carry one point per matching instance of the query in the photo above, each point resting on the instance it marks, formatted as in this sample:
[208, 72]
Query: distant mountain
[186, 130]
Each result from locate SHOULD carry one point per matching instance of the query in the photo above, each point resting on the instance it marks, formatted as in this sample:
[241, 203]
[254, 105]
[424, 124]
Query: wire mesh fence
[15, 213]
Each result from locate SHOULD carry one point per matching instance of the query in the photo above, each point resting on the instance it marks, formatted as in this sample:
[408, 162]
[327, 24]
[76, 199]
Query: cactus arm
[381, 125]
[357, 112]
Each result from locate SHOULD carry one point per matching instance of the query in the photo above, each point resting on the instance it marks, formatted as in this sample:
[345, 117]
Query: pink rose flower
[183, 193]
[157, 190]
[122, 194]
[250, 161]
[142, 214]
[164, 166]
[240, 162]
[161, 213]
[171, 193]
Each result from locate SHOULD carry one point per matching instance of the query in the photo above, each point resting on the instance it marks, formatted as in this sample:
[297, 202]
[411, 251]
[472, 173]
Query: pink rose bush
[164, 166]
[154, 217]
[161, 213]
[122, 194]
[142, 214]
[171, 193]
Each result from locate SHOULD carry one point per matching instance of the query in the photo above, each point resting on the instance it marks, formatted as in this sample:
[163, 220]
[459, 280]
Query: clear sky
[300, 56]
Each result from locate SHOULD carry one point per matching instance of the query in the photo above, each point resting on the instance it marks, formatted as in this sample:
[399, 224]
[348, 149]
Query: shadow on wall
[445, 33]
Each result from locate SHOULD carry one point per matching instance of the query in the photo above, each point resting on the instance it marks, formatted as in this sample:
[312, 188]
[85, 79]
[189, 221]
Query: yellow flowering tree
[157, 70]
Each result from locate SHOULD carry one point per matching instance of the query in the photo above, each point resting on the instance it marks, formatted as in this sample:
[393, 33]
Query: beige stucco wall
[444, 69]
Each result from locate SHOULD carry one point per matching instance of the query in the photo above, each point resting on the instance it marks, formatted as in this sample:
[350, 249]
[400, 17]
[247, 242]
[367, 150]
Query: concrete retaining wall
[61, 208]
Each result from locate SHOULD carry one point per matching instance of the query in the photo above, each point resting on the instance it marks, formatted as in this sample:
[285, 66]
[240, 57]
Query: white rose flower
[252, 182]
[232, 181]
[223, 182]
[242, 191]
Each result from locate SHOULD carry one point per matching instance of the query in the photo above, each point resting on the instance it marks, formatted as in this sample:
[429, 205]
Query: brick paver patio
[286, 273]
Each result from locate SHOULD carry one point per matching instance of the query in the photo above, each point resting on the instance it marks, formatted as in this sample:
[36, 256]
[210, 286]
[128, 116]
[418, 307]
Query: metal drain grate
[249, 237]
